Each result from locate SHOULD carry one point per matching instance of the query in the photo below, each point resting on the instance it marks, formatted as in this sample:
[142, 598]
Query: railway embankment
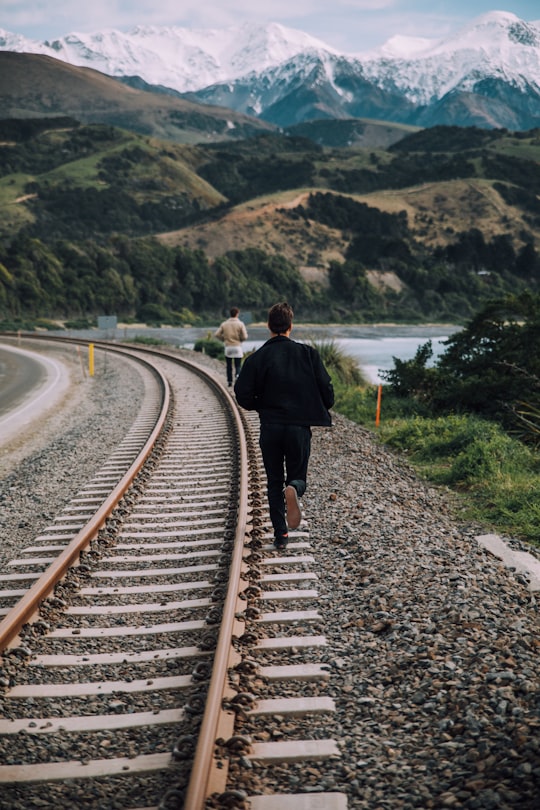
[432, 641]
[436, 674]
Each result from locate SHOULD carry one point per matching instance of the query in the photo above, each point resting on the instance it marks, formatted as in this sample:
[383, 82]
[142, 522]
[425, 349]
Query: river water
[373, 346]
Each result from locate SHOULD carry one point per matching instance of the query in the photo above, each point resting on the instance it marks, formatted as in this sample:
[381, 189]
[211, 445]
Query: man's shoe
[294, 515]
[281, 542]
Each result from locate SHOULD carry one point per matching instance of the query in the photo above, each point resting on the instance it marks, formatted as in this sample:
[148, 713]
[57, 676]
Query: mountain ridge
[34, 85]
[253, 69]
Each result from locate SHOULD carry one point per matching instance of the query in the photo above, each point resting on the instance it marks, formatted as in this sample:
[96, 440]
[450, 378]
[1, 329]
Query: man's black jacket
[287, 383]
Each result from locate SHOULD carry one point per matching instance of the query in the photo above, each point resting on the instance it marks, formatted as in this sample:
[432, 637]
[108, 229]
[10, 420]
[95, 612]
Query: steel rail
[205, 777]
[27, 607]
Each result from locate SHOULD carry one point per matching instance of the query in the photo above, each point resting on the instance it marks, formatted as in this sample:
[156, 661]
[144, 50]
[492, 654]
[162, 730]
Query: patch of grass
[47, 324]
[12, 187]
[359, 403]
[83, 172]
[497, 477]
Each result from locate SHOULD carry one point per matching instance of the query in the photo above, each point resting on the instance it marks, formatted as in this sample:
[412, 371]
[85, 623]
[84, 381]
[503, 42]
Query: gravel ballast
[432, 642]
[436, 642]
[43, 466]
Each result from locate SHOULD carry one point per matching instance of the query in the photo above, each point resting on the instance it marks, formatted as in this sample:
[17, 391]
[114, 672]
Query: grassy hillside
[437, 213]
[428, 228]
[33, 85]
[492, 196]
[75, 180]
[262, 223]
[362, 132]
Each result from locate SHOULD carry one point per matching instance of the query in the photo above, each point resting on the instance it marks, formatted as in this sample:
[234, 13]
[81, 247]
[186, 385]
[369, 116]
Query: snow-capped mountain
[487, 74]
[497, 45]
[179, 58]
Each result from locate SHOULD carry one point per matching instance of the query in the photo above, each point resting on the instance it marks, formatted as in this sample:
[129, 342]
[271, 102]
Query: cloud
[59, 17]
[347, 25]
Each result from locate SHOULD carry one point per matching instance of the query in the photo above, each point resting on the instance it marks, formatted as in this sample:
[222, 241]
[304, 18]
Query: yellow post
[378, 412]
[91, 359]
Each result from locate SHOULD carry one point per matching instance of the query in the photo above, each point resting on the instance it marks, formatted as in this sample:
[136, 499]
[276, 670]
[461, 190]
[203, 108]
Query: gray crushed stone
[432, 642]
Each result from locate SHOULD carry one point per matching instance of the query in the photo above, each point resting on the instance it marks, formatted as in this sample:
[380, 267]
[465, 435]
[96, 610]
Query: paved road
[20, 374]
[30, 383]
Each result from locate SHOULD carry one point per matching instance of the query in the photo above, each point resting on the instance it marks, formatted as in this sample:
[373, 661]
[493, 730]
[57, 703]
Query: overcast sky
[350, 26]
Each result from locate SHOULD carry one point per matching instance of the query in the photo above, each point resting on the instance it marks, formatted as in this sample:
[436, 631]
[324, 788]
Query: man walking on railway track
[232, 332]
[287, 384]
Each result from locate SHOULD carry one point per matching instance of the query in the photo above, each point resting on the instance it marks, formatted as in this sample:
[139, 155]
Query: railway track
[157, 651]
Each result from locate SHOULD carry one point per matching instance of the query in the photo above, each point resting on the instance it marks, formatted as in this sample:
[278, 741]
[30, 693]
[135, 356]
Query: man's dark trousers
[237, 361]
[292, 443]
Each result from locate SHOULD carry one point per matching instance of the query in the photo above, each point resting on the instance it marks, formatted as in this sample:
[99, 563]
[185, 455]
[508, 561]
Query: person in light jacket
[287, 384]
[232, 332]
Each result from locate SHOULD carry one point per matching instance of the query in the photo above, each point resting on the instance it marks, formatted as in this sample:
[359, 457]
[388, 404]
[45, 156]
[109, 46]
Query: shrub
[211, 347]
[50, 326]
[157, 315]
[411, 377]
[527, 419]
[153, 314]
[339, 364]
[80, 323]
[17, 324]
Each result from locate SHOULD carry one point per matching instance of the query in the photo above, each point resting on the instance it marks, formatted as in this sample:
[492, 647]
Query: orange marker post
[378, 411]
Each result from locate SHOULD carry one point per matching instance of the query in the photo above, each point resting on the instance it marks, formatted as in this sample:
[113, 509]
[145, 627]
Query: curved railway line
[148, 619]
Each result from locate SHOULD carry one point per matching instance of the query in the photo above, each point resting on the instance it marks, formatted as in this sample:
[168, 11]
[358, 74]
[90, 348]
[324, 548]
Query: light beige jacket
[232, 332]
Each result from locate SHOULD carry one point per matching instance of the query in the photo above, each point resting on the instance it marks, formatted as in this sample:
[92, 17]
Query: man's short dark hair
[234, 312]
[280, 318]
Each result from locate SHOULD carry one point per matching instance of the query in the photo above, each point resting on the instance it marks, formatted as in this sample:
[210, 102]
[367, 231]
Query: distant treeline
[21, 129]
[144, 278]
